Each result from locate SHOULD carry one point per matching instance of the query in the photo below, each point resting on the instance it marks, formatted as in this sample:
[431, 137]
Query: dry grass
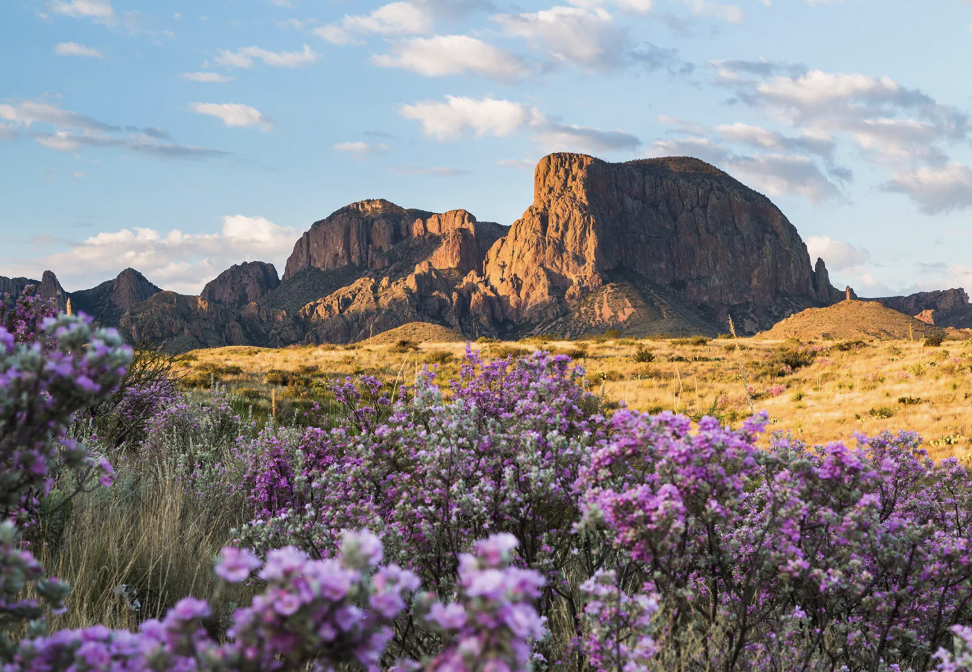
[141, 540]
[840, 392]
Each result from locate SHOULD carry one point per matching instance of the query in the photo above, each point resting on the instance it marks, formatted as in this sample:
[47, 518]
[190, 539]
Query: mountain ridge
[669, 245]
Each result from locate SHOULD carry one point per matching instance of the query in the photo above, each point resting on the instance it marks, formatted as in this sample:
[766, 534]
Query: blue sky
[181, 137]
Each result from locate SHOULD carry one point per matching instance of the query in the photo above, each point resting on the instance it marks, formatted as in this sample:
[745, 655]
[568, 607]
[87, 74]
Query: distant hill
[850, 320]
[416, 332]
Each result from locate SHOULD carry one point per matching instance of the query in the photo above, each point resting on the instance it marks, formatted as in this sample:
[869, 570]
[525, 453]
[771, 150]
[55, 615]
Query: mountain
[109, 301]
[657, 246]
[106, 303]
[243, 283]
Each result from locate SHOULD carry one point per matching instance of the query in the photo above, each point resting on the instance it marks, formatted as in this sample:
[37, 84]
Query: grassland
[820, 390]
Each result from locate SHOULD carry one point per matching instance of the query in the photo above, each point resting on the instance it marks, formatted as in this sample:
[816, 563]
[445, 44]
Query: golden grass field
[867, 386]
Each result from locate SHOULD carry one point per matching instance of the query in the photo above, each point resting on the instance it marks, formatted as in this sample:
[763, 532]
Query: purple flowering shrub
[45, 379]
[788, 557]
[23, 316]
[501, 456]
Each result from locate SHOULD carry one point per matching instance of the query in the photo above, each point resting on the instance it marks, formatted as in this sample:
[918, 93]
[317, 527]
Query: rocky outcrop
[107, 302]
[242, 284]
[48, 287]
[376, 235]
[945, 308]
[676, 223]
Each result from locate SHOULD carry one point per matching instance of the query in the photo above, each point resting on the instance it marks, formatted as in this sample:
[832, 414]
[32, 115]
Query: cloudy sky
[180, 137]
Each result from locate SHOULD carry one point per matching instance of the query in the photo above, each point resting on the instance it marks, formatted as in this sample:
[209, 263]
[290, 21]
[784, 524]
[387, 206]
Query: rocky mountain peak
[242, 283]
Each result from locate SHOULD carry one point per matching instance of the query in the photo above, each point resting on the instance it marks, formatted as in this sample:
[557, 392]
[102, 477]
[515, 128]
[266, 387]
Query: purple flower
[234, 565]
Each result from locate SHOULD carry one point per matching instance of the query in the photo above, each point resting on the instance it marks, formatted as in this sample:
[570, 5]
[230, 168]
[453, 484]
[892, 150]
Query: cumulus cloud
[452, 55]
[207, 77]
[449, 120]
[234, 114]
[361, 151]
[730, 13]
[901, 129]
[244, 58]
[587, 38]
[75, 49]
[838, 255]
[99, 10]
[778, 174]
[392, 20]
[772, 173]
[935, 189]
[173, 260]
[459, 115]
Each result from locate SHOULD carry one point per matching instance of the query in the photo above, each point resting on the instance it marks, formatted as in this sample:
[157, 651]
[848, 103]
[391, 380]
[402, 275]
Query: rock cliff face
[375, 235]
[48, 287]
[107, 302]
[677, 224]
[943, 308]
[242, 284]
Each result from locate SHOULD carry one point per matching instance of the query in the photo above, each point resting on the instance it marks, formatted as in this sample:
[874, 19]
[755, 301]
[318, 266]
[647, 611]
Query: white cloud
[233, 114]
[838, 255]
[452, 55]
[392, 20]
[730, 13]
[75, 49]
[335, 35]
[587, 38]
[639, 6]
[778, 174]
[396, 18]
[99, 10]
[173, 260]
[935, 189]
[448, 120]
[565, 137]
[29, 112]
[243, 58]
[360, 151]
[412, 169]
[700, 148]
[66, 141]
[207, 77]
[517, 163]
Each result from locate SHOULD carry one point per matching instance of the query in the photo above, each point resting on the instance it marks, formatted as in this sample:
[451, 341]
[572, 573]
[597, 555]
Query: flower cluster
[492, 622]
[328, 612]
[618, 628]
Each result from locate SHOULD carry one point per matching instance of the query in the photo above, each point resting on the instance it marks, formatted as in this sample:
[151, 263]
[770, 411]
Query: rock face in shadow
[107, 302]
[242, 284]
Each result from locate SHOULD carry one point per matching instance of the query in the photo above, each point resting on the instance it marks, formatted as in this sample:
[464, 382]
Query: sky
[181, 137]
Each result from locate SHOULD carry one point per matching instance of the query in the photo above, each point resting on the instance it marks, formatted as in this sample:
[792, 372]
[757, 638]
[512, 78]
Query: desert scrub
[882, 412]
[694, 340]
[643, 355]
